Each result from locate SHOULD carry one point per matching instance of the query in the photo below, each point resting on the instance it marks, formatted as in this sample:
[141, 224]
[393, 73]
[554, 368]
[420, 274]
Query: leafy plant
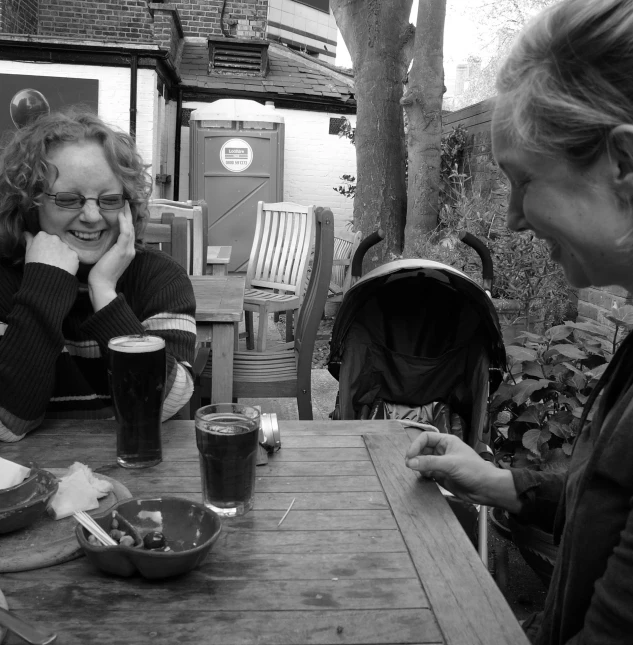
[537, 409]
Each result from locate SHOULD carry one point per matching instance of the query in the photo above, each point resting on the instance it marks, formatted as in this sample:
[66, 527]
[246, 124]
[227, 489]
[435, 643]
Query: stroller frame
[419, 333]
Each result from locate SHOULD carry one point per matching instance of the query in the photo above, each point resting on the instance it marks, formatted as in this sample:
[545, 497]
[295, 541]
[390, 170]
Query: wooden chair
[197, 217]
[345, 244]
[284, 371]
[276, 275]
[170, 234]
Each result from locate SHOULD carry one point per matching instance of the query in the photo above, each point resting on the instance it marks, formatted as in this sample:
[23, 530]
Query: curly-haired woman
[73, 202]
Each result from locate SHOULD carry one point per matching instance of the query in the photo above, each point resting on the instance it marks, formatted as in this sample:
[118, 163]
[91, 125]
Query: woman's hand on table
[105, 274]
[458, 468]
[49, 249]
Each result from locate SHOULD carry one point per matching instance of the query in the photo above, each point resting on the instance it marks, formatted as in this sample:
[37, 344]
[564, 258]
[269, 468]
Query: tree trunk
[377, 34]
[423, 105]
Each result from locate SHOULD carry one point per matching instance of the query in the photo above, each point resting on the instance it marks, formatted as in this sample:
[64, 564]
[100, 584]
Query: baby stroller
[420, 342]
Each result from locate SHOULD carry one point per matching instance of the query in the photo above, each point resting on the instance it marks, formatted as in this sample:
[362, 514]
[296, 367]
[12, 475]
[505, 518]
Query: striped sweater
[53, 346]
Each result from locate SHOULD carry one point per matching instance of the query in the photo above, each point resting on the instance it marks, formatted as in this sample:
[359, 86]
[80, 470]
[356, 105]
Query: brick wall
[167, 30]
[111, 20]
[243, 18]
[18, 16]
[594, 303]
[313, 162]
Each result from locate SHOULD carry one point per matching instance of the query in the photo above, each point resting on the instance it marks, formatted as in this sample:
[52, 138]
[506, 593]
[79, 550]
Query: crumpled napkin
[79, 490]
[12, 474]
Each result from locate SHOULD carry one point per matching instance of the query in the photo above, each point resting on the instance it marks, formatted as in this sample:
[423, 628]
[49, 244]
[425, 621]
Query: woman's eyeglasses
[76, 201]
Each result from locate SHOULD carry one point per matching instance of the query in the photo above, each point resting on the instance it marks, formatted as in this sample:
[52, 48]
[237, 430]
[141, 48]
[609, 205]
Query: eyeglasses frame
[85, 199]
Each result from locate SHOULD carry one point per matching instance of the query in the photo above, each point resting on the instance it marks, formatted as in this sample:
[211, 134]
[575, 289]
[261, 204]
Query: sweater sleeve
[540, 493]
[169, 312]
[31, 340]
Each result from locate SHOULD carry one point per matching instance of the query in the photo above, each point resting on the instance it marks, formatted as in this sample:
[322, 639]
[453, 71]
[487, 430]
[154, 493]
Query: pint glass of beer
[227, 435]
[137, 372]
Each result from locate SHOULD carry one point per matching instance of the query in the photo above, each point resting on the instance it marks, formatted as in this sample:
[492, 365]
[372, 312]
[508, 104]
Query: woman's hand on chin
[49, 249]
[105, 274]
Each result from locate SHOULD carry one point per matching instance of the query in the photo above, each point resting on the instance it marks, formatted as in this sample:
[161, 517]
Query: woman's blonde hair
[25, 168]
[568, 80]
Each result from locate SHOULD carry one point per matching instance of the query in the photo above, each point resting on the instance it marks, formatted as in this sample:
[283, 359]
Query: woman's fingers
[126, 227]
[428, 443]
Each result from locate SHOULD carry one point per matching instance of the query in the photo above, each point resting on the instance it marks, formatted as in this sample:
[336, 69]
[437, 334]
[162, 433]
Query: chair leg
[248, 322]
[290, 327]
[262, 329]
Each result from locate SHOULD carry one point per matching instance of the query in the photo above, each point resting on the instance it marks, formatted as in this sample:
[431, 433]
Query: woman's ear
[620, 150]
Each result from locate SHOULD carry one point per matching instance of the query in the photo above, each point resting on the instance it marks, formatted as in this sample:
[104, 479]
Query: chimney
[460, 78]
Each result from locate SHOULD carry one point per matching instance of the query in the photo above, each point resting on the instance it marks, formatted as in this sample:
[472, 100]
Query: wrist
[501, 491]
[101, 296]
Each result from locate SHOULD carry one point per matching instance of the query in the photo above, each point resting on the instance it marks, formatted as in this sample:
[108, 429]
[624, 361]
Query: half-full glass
[137, 371]
[227, 435]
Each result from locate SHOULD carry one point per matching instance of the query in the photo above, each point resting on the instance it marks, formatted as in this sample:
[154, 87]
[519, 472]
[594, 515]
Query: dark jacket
[590, 599]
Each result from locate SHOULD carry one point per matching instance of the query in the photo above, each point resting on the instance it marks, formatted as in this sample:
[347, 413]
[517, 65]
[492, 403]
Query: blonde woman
[563, 135]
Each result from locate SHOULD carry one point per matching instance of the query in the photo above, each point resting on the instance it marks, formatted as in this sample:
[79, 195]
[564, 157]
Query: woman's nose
[90, 212]
[515, 218]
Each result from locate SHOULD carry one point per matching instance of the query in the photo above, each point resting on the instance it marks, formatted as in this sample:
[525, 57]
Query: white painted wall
[314, 161]
[303, 18]
[114, 98]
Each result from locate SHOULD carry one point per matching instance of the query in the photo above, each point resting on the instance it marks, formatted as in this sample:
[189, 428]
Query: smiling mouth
[87, 237]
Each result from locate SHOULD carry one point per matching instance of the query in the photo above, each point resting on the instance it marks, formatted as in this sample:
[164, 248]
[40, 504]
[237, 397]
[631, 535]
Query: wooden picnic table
[369, 553]
[219, 308]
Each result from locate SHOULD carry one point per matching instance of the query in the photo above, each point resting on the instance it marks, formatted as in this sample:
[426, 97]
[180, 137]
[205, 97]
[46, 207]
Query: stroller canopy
[412, 332]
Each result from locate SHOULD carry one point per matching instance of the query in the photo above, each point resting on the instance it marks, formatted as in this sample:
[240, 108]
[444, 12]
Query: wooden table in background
[219, 307]
[218, 258]
[369, 554]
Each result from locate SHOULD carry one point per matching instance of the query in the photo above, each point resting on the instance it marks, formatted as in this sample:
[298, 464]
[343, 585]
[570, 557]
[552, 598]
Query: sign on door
[236, 155]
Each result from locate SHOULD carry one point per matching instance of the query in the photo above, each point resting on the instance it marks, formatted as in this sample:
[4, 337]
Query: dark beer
[227, 446]
[137, 373]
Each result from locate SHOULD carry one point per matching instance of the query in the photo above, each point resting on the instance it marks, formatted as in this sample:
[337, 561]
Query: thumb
[28, 238]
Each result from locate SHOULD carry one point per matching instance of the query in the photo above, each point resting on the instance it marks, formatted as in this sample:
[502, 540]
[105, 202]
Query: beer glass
[137, 373]
[227, 435]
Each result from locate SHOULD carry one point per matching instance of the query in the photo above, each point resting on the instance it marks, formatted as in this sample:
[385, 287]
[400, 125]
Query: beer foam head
[136, 344]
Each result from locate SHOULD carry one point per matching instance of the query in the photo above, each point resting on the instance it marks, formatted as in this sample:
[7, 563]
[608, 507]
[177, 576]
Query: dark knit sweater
[590, 598]
[53, 345]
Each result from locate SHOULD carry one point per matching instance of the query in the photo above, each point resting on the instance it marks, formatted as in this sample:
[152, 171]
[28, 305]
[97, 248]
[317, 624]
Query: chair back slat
[345, 244]
[196, 214]
[170, 235]
[311, 310]
[281, 247]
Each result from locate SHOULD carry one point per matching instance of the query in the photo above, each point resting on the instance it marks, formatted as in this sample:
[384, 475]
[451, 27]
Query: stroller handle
[483, 253]
[371, 240]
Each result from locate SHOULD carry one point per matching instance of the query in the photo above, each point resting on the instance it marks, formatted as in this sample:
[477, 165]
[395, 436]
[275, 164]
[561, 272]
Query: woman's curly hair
[25, 169]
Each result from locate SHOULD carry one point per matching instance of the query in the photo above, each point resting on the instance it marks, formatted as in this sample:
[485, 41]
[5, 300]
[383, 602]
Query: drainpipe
[133, 79]
[177, 146]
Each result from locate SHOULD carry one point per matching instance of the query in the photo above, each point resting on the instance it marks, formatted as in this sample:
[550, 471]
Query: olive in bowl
[178, 532]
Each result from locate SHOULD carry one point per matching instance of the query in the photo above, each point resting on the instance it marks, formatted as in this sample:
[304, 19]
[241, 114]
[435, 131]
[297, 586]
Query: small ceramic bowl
[33, 493]
[190, 530]
[19, 493]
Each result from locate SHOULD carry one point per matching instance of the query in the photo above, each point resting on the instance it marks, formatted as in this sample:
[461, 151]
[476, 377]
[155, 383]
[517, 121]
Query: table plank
[449, 567]
[218, 298]
[80, 625]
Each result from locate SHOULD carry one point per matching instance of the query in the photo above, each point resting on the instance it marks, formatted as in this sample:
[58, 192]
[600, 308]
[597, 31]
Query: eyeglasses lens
[105, 202]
